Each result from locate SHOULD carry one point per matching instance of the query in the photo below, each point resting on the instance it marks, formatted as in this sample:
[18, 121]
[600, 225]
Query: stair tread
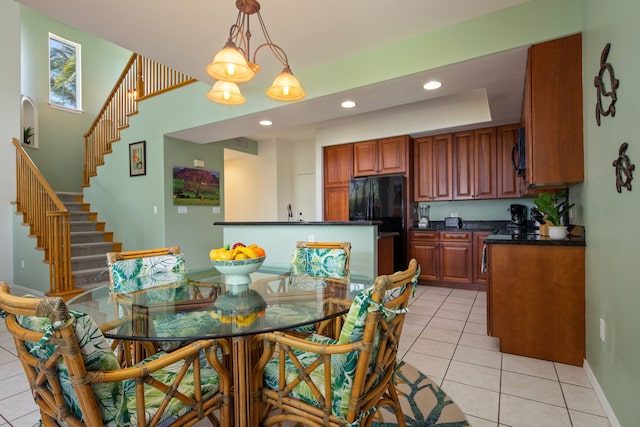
[92, 256]
[92, 244]
[90, 270]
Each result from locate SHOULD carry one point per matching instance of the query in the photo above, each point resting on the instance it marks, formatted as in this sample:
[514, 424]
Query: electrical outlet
[311, 238]
[572, 214]
[602, 330]
[454, 214]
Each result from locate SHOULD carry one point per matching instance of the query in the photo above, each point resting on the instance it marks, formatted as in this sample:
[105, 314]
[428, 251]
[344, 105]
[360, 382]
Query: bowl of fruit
[237, 262]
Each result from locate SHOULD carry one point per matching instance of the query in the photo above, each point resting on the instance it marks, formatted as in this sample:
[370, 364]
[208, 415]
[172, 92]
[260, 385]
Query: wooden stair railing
[141, 78]
[49, 222]
[48, 218]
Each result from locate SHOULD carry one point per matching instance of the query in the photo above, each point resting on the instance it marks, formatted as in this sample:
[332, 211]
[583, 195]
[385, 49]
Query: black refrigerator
[381, 198]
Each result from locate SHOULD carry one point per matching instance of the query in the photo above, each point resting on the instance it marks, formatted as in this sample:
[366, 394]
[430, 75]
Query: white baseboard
[600, 394]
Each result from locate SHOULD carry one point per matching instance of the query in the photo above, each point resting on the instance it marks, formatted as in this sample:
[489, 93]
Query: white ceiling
[186, 35]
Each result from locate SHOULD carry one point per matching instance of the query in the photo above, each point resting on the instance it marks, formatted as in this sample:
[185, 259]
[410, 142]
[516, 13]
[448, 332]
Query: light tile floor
[445, 337]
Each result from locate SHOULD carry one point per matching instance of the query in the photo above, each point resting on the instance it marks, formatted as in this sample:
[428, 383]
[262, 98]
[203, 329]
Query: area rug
[423, 403]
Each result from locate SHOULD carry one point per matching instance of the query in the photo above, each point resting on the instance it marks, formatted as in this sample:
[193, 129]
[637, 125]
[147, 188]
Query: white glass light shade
[227, 93]
[286, 87]
[230, 65]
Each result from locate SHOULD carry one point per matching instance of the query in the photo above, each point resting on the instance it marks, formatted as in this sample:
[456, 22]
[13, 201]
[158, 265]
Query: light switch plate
[183, 210]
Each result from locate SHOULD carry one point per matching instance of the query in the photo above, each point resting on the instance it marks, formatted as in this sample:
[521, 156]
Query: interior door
[305, 197]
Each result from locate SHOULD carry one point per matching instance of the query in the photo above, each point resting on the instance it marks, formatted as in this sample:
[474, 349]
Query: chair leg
[393, 393]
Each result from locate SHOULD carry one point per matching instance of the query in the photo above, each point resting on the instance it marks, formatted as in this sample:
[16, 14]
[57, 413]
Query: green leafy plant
[27, 133]
[553, 209]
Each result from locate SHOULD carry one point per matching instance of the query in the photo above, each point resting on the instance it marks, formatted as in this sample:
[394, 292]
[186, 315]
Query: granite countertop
[383, 234]
[506, 237]
[298, 223]
[492, 226]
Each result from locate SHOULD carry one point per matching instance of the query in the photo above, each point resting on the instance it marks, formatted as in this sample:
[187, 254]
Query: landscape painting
[195, 187]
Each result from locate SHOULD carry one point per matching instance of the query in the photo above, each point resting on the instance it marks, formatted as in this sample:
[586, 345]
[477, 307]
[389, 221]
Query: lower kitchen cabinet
[536, 300]
[445, 257]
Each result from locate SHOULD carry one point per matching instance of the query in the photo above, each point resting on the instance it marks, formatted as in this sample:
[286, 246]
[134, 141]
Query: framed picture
[137, 158]
[195, 187]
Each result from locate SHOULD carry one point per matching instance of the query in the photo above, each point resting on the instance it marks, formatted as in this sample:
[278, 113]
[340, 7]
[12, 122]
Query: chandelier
[235, 63]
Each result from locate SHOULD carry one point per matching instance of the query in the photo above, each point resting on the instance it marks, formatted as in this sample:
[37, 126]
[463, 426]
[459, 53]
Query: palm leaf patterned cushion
[97, 355]
[153, 397]
[342, 373]
[147, 272]
[319, 262]
[117, 400]
[343, 365]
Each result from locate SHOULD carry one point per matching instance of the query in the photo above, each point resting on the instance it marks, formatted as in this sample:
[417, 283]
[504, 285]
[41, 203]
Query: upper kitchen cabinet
[338, 162]
[474, 164]
[337, 170]
[552, 113]
[381, 156]
[432, 168]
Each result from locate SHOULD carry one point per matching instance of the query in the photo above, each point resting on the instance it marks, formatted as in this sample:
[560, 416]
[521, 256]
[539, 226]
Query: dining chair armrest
[143, 368]
[289, 340]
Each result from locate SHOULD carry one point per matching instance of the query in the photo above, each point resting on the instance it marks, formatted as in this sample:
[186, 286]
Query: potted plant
[553, 209]
[27, 133]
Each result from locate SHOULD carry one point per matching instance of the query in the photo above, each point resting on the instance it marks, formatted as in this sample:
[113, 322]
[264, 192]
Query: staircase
[89, 243]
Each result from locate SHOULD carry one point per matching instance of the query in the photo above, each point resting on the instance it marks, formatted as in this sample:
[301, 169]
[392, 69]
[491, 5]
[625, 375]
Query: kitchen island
[279, 239]
[536, 296]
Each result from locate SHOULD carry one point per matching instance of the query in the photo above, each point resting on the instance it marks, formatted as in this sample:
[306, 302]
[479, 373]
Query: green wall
[60, 156]
[613, 290]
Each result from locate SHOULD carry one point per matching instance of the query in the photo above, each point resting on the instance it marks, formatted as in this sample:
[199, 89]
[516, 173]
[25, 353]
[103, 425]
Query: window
[64, 73]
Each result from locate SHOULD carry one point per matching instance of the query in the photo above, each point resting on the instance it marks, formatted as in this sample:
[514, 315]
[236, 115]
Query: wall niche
[29, 122]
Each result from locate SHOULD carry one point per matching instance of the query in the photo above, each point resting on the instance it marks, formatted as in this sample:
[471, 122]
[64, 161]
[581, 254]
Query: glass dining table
[200, 304]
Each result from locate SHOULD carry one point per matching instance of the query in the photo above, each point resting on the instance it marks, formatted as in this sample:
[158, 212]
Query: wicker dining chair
[320, 381]
[76, 380]
[158, 273]
[132, 271]
[321, 259]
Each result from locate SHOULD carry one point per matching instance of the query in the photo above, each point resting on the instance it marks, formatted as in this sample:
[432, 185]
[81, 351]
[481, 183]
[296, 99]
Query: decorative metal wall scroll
[624, 169]
[605, 68]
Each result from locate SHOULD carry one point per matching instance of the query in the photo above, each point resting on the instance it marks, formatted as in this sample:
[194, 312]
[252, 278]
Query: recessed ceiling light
[266, 122]
[433, 84]
[348, 104]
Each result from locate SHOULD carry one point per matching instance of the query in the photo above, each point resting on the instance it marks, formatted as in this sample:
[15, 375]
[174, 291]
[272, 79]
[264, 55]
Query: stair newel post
[59, 248]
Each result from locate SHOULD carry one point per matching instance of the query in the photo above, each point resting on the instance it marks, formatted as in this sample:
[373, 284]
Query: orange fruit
[259, 251]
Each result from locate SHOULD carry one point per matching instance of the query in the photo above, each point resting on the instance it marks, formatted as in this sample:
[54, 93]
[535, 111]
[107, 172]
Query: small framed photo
[137, 158]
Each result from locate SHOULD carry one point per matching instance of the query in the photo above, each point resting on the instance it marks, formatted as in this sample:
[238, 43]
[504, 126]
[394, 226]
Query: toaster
[453, 222]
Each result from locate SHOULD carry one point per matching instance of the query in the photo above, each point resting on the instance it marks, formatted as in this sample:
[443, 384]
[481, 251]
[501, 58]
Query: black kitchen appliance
[381, 198]
[518, 216]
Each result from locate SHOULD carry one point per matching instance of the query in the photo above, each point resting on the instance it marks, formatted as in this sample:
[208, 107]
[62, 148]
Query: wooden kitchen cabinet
[337, 170]
[336, 203]
[381, 156]
[456, 257]
[536, 300]
[474, 164]
[445, 257]
[423, 246]
[552, 112]
[337, 164]
[432, 168]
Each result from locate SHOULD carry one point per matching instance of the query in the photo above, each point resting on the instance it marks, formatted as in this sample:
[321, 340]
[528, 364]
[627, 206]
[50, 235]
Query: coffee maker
[518, 216]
